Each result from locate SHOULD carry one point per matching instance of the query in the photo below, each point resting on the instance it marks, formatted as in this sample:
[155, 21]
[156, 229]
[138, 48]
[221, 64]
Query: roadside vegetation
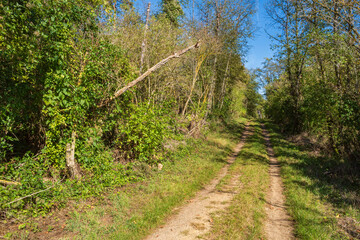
[312, 95]
[130, 212]
[322, 192]
[312, 83]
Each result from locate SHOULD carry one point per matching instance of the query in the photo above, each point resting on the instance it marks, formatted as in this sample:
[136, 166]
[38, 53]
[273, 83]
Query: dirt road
[194, 219]
[278, 225]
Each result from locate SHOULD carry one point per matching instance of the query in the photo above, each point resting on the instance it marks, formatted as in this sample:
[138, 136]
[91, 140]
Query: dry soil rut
[194, 219]
[279, 224]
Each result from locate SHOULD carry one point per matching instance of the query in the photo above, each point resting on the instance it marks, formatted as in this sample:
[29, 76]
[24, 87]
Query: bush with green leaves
[142, 131]
[57, 69]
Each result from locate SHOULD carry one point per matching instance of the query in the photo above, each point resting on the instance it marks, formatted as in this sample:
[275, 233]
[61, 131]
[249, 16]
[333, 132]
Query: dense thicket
[61, 63]
[313, 84]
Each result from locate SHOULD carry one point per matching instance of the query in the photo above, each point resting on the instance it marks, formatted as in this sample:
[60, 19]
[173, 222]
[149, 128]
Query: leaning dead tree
[71, 163]
[149, 71]
[143, 45]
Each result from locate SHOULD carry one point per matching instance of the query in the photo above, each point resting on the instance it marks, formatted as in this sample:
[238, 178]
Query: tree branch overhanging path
[149, 71]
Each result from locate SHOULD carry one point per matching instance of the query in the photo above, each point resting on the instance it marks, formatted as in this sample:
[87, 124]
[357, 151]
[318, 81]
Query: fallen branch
[9, 182]
[149, 71]
[16, 200]
[30, 195]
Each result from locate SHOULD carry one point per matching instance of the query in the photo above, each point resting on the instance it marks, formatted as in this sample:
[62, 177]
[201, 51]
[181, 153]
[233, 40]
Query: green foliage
[314, 86]
[238, 101]
[253, 98]
[55, 76]
[334, 110]
[142, 132]
[172, 10]
[277, 106]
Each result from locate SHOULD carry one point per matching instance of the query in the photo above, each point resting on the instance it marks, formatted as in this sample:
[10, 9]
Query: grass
[135, 210]
[318, 199]
[244, 219]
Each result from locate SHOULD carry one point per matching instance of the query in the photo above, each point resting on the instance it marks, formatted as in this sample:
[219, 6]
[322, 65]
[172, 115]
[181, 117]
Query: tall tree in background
[293, 46]
[172, 10]
[230, 25]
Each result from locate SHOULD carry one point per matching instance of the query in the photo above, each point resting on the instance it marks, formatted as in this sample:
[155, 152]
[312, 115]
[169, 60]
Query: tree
[293, 46]
[317, 90]
[172, 10]
[230, 24]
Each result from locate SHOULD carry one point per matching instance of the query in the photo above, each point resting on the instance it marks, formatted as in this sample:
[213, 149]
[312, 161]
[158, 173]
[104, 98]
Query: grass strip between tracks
[245, 217]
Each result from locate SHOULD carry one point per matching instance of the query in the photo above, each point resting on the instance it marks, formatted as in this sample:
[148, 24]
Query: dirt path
[279, 224]
[194, 219]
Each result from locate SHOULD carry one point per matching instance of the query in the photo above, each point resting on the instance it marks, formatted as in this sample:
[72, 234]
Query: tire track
[279, 224]
[194, 219]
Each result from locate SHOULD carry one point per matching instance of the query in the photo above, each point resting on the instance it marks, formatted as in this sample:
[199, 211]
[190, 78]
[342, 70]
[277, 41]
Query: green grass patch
[135, 210]
[245, 216]
[321, 201]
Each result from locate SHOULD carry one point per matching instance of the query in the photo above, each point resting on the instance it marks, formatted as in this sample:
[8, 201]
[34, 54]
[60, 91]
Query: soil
[48, 227]
[194, 219]
[279, 224]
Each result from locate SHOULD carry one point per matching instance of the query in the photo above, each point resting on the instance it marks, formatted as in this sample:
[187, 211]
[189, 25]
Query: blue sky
[260, 44]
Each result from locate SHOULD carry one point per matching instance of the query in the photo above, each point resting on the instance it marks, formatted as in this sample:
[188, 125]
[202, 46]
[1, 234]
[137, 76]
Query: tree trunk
[70, 158]
[143, 45]
[224, 83]
[196, 71]
[212, 89]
